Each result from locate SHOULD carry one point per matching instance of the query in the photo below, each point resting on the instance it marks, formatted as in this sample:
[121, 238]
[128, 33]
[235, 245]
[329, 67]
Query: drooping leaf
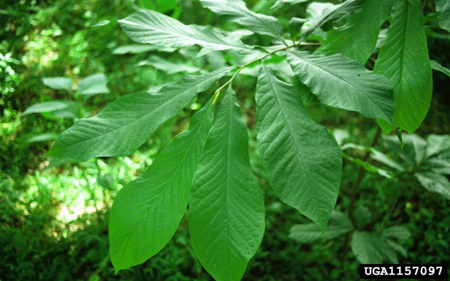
[287, 139]
[437, 144]
[147, 211]
[369, 167]
[58, 83]
[365, 246]
[358, 38]
[146, 26]
[443, 8]
[168, 66]
[322, 13]
[93, 84]
[437, 66]
[308, 233]
[226, 211]
[343, 83]
[435, 183]
[399, 232]
[124, 125]
[137, 49]
[235, 10]
[47, 106]
[403, 59]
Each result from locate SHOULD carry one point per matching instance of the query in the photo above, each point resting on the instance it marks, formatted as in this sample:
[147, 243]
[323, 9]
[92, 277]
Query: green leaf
[47, 106]
[358, 38]
[437, 165]
[443, 8]
[146, 26]
[343, 83]
[308, 233]
[437, 144]
[287, 139]
[236, 11]
[362, 216]
[435, 183]
[43, 137]
[226, 212]
[280, 3]
[403, 59]
[399, 232]
[93, 84]
[365, 246]
[413, 151]
[398, 248]
[322, 13]
[437, 66]
[58, 83]
[147, 211]
[124, 125]
[137, 49]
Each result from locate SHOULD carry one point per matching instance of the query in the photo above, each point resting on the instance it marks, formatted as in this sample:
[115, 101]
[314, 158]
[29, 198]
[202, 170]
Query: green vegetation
[125, 123]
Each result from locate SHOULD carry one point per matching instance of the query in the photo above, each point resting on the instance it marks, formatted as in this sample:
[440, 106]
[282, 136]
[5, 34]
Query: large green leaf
[147, 211]
[123, 126]
[365, 246]
[322, 13]
[343, 83]
[358, 38]
[236, 11]
[311, 232]
[226, 212]
[443, 8]
[404, 60]
[288, 141]
[435, 183]
[146, 26]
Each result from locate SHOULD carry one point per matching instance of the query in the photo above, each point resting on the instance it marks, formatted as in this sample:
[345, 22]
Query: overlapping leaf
[435, 183]
[236, 11]
[343, 83]
[302, 160]
[319, 14]
[358, 38]
[403, 59]
[146, 26]
[147, 211]
[226, 213]
[123, 126]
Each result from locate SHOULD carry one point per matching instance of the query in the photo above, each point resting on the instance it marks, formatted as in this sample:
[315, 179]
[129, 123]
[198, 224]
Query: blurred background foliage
[54, 216]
